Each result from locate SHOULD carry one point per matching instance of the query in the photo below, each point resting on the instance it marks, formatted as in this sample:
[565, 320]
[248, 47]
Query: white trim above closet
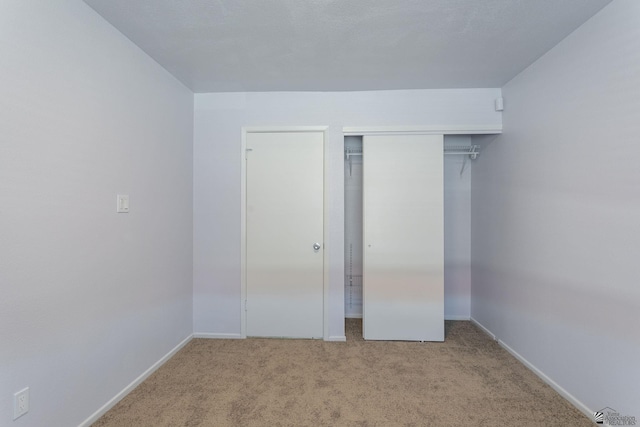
[423, 130]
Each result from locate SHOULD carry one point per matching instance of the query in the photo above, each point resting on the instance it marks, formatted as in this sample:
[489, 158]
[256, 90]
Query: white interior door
[403, 237]
[284, 231]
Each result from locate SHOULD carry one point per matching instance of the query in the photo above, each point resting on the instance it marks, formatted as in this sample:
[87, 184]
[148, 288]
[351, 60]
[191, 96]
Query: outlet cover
[20, 403]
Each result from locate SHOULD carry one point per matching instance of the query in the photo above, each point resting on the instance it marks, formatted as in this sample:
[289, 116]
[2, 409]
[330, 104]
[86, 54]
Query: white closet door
[285, 213]
[403, 236]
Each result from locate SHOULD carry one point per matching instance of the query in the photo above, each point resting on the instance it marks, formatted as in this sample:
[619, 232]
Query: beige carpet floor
[468, 380]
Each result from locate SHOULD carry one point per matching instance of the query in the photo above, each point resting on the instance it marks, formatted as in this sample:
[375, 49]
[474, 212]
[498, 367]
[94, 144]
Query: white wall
[555, 215]
[217, 161]
[90, 298]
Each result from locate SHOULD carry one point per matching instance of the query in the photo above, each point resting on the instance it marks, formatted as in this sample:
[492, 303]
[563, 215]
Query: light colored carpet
[468, 380]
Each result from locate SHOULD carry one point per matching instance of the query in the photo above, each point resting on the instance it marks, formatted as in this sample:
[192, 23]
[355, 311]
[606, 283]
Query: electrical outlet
[20, 403]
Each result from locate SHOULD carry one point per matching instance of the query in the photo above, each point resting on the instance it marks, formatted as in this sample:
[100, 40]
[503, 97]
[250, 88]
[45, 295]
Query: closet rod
[352, 152]
[471, 151]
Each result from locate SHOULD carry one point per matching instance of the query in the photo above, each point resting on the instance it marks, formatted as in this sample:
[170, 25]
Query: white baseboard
[446, 317]
[561, 391]
[212, 335]
[118, 397]
[456, 317]
[485, 330]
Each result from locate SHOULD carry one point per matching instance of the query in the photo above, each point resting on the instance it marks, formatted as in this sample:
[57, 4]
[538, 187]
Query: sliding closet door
[403, 235]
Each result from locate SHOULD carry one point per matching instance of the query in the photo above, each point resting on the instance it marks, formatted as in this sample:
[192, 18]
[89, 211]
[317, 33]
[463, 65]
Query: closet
[394, 233]
[400, 258]
[353, 226]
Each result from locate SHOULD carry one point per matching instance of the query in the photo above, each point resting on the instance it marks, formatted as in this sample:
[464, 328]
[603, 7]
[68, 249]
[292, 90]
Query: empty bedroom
[323, 212]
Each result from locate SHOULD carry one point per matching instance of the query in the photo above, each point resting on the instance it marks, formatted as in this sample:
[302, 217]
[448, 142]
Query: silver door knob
[316, 246]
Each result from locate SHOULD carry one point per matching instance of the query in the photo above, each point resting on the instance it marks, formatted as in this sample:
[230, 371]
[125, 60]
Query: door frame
[243, 220]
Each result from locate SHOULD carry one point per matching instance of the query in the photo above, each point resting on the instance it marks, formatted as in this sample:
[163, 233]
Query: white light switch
[123, 203]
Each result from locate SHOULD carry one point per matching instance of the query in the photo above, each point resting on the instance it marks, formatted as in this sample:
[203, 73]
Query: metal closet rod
[471, 151]
[352, 152]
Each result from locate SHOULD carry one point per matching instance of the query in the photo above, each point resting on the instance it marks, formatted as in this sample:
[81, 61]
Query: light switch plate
[122, 203]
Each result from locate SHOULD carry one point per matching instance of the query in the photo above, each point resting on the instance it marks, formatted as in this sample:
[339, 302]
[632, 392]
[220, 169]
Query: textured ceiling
[334, 45]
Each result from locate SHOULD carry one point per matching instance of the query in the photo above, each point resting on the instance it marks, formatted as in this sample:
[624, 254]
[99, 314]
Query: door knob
[316, 246]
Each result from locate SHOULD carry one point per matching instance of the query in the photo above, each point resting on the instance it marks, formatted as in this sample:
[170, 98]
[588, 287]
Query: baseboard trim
[212, 335]
[485, 330]
[456, 317]
[118, 397]
[561, 391]
[337, 338]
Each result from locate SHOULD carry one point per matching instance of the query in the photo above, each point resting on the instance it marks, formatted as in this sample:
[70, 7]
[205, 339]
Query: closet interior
[353, 226]
[458, 152]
